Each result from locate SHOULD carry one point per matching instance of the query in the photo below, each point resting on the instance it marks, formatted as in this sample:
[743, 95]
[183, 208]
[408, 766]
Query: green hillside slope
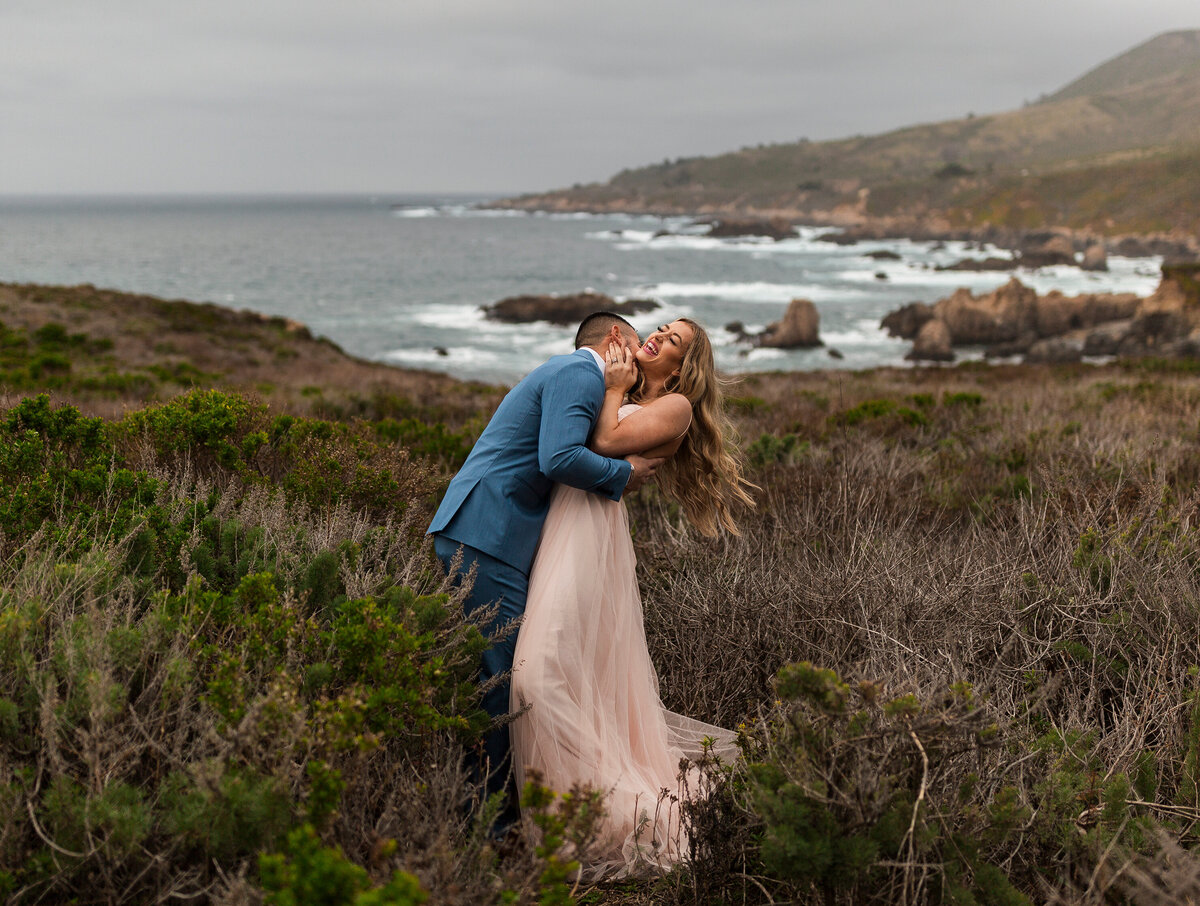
[1124, 118]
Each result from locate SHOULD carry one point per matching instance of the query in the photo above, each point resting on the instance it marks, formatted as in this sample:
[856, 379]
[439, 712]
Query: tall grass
[959, 637]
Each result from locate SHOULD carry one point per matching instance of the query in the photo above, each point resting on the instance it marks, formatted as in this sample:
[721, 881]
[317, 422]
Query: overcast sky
[502, 95]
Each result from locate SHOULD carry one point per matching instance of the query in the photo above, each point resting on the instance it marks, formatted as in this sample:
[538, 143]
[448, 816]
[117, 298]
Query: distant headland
[1115, 153]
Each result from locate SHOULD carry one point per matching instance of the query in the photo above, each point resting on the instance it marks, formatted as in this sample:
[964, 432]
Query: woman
[582, 667]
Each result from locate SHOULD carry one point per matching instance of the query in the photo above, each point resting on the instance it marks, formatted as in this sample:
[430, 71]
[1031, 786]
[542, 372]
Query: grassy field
[959, 634]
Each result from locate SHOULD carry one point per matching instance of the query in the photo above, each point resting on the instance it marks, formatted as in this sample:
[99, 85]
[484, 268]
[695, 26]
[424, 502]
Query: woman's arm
[658, 426]
[656, 429]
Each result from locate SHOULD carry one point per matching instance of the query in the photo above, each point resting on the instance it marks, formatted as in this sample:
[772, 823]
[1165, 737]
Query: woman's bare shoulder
[670, 404]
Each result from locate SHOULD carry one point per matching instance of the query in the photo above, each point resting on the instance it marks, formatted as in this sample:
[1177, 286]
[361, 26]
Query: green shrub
[878, 409]
[308, 873]
[770, 448]
[962, 398]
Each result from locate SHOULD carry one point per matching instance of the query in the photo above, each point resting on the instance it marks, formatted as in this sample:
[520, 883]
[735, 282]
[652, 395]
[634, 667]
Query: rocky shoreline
[1014, 320]
[1011, 321]
[854, 225]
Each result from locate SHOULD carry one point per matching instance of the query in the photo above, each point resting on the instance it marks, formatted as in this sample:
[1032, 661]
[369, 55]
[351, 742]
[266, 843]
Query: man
[494, 508]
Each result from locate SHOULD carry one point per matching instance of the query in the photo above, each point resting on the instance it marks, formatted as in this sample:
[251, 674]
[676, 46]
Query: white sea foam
[457, 356]
[1066, 279]
[863, 333]
[452, 317]
[746, 292]
[472, 211]
[764, 354]
[415, 212]
[635, 236]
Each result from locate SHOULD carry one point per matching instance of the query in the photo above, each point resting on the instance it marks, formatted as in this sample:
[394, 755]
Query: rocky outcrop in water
[1095, 257]
[799, 328]
[563, 311]
[1014, 320]
[773, 228]
[907, 321]
[932, 343]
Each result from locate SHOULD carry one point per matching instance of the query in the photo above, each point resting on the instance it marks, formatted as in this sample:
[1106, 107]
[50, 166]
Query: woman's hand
[621, 371]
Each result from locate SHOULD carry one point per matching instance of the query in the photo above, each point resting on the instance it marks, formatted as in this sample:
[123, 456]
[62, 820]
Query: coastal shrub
[858, 796]
[746, 404]
[206, 663]
[199, 729]
[308, 873]
[877, 409]
[434, 441]
[204, 425]
[968, 399]
[230, 659]
[770, 448]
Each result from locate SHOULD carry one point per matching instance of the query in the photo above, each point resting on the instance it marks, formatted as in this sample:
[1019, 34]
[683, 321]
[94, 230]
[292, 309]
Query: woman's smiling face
[663, 351]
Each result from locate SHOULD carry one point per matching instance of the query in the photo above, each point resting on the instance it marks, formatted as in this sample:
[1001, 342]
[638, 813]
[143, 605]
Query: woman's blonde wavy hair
[704, 476]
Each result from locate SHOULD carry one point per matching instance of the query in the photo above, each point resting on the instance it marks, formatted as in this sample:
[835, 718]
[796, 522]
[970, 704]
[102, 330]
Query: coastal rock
[1146, 246]
[883, 255]
[932, 343]
[907, 321]
[1055, 351]
[774, 228]
[1133, 247]
[1019, 346]
[1106, 339]
[1181, 281]
[1034, 260]
[1015, 320]
[1057, 313]
[797, 329]
[1095, 258]
[995, 317]
[1047, 244]
[838, 238]
[991, 263]
[563, 311]
[1153, 330]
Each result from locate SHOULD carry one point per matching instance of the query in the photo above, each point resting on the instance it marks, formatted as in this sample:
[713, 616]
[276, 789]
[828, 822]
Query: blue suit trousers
[495, 581]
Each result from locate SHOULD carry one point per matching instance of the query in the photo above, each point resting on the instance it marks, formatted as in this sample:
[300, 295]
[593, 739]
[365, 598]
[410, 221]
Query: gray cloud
[367, 95]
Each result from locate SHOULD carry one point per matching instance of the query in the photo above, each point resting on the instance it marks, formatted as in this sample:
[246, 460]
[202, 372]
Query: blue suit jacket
[498, 500]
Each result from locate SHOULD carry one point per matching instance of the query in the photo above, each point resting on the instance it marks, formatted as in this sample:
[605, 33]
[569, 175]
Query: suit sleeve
[570, 403]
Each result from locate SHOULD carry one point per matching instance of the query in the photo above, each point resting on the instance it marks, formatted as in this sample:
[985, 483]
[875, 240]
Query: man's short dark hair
[595, 328]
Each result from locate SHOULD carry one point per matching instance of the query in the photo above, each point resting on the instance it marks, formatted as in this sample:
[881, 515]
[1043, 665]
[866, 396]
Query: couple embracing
[536, 509]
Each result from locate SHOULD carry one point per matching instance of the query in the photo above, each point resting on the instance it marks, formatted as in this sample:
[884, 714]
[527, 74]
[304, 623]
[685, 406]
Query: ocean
[401, 278]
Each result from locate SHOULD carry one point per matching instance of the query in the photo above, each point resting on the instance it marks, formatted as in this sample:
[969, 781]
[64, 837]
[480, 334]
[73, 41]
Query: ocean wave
[442, 356]
[450, 316]
[493, 212]
[765, 354]
[415, 212]
[746, 292]
[1131, 278]
[863, 333]
[1073, 281]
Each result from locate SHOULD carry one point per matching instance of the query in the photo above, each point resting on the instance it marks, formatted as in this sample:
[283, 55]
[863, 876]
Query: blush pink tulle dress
[583, 670]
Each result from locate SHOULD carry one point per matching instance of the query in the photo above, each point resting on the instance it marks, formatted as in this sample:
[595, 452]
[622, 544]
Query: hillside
[1163, 57]
[107, 351]
[957, 634]
[1138, 113]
